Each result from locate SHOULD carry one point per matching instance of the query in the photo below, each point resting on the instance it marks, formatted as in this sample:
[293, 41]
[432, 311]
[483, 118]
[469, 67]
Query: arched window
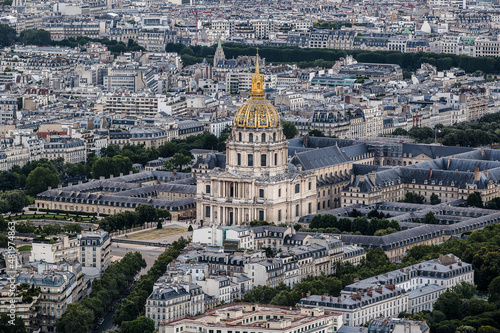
[239, 136]
[250, 137]
[239, 159]
[275, 158]
[250, 160]
[274, 136]
[263, 137]
[263, 160]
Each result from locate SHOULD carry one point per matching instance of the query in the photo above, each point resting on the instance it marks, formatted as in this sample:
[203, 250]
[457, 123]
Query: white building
[95, 254]
[63, 248]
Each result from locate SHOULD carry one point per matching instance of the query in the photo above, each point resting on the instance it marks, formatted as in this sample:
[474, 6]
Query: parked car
[101, 321]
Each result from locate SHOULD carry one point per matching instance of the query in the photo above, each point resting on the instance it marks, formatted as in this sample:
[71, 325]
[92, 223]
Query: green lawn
[24, 248]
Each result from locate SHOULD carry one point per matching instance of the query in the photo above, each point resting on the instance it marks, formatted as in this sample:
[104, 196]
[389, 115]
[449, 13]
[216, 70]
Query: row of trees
[465, 134]
[27, 227]
[461, 310]
[374, 226]
[42, 37]
[310, 57]
[79, 317]
[481, 249]
[133, 305]
[37, 176]
[376, 262]
[126, 220]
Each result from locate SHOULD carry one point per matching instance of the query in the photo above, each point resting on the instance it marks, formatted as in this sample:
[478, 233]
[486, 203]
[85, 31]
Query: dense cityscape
[212, 166]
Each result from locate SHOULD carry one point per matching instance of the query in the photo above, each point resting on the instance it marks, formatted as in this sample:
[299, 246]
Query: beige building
[249, 317]
[257, 183]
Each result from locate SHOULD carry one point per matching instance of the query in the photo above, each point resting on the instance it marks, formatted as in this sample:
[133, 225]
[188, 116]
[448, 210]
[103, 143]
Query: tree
[430, 218]
[179, 159]
[465, 290]
[435, 199]
[7, 35]
[488, 329]
[190, 228]
[140, 325]
[147, 213]
[6, 327]
[412, 197]
[316, 133]
[35, 37]
[450, 304]
[474, 200]
[74, 228]
[494, 290]
[40, 179]
[4, 241]
[289, 130]
[159, 225]
[76, 319]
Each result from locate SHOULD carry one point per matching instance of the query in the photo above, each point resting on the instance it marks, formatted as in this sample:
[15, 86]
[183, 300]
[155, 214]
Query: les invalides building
[258, 183]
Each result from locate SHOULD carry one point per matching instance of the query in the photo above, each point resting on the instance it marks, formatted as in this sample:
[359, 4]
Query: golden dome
[257, 112]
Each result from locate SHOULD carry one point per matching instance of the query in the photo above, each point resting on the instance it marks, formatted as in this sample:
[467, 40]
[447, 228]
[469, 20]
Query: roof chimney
[430, 173]
[372, 176]
[477, 174]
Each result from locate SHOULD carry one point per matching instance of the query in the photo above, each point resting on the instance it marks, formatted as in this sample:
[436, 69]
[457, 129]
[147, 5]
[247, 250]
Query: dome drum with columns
[257, 183]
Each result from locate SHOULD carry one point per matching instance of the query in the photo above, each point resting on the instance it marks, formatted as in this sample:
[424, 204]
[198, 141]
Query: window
[207, 189]
[296, 210]
[297, 188]
[274, 136]
[275, 159]
[263, 137]
[250, 137]
[261, 215]
[279, 192]
[239, 136]
[261, 193]
[250, 160]
[263, 160]
[310, 184]
[239, 159]
[309, 208]
[279, 215]
[207, 211]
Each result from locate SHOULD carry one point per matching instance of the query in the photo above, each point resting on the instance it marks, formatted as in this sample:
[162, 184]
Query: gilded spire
[257, 91]
[257, 70]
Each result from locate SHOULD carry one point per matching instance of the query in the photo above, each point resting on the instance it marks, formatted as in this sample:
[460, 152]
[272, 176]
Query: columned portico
[257, 183]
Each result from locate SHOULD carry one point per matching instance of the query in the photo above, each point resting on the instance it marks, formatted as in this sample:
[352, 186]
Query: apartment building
[95, 252]
[170, 301]
[411, 288]
[220, 287]
[246, 317]
[60, 285]
[134, 105]
[8, 109]
[71, 150]
[56, 249]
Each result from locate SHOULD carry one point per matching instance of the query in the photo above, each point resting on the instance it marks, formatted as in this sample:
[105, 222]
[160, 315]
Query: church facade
[257, 183]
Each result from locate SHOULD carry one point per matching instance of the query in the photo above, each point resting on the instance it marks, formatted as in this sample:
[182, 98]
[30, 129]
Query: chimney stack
[430, 173]
[372, 176]
[477, 174]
